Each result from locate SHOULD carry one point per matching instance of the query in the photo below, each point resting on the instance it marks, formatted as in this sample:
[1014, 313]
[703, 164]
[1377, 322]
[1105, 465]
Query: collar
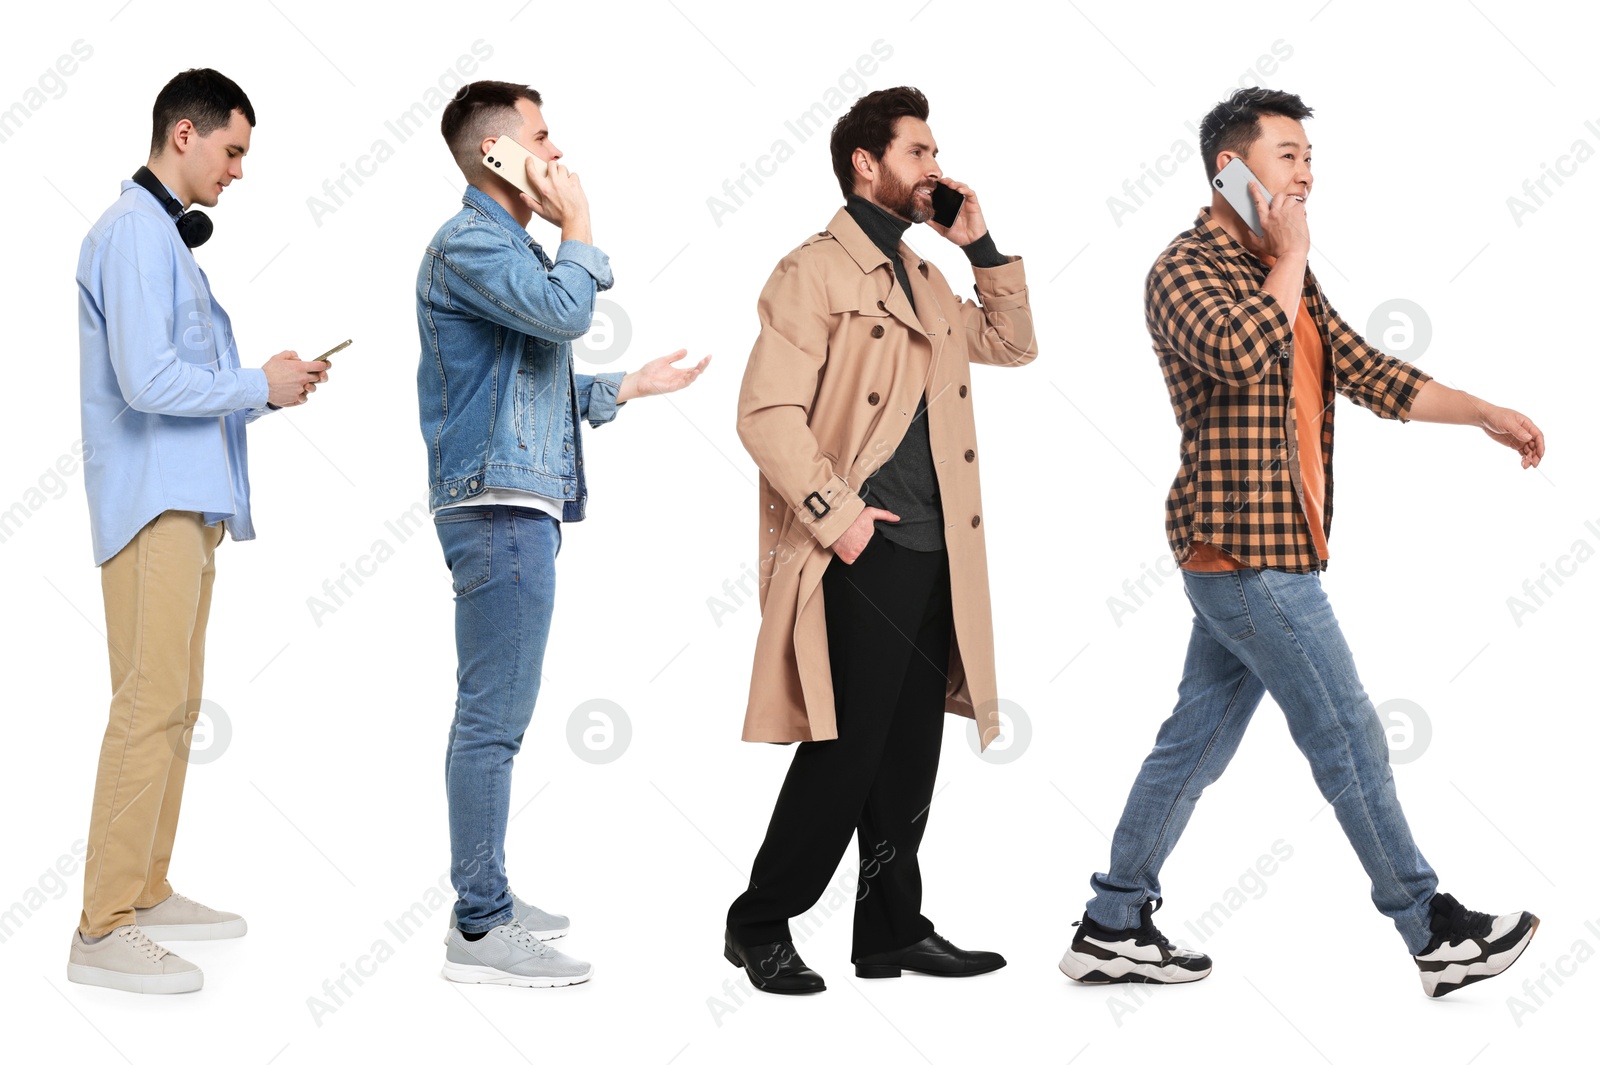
[883, 228]
[868, 256]
[129, 183]
[849, 235]
[1210, 229]
[485, 205]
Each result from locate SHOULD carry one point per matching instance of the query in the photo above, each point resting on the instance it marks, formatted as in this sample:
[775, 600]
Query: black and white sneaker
[1468, 946]
[1142, 955]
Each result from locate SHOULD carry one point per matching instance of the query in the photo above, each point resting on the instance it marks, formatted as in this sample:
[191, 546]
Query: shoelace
[519, 934]
[1462, 923]
[134, 936]
[1148, 932]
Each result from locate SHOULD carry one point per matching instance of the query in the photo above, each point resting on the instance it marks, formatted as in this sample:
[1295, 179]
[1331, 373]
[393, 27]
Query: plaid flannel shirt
[1227, 352]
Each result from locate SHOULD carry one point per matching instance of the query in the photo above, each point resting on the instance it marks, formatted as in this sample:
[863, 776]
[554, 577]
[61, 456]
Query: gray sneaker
[180, 917]
[510, 954]
[544, 925]
[129, 960]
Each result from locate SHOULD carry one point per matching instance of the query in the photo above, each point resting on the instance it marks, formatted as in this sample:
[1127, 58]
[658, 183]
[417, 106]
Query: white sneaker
[180, 917]
[1138, 955]
[1469, 946]
[510, 954]
[542, 924]
[129, 960]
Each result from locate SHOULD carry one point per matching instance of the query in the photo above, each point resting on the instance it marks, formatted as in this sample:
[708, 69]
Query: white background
[324, 816]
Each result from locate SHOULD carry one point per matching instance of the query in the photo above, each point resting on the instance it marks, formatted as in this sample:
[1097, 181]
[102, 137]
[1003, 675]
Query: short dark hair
[482, 109]
[1235, 123]
[870, 124]
[203, 96]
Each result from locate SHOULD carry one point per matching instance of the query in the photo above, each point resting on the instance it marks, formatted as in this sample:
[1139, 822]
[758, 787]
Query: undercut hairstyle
[482, 109]
[203, 96]
[1235, 123]
[870, 124]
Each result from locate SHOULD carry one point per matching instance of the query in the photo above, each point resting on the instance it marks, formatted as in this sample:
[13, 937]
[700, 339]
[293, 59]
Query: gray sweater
[906, 484]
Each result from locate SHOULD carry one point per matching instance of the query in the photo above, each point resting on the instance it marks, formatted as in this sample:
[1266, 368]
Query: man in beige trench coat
[857, 407]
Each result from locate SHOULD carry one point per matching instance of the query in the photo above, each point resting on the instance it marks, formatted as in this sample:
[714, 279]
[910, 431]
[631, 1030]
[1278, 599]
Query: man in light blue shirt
[165, 405]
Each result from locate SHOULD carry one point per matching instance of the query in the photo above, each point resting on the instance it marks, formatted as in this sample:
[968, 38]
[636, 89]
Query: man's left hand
[658, 377]
[1514, 430]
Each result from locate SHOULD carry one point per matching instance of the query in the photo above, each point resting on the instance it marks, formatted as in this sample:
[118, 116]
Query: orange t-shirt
[1309, 360]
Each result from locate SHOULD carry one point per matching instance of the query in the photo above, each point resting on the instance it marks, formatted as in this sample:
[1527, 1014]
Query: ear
[486, 144]
[863, 164]
[183, 135]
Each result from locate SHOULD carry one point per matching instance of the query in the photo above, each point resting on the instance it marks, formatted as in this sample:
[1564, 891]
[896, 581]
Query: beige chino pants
[158, 597]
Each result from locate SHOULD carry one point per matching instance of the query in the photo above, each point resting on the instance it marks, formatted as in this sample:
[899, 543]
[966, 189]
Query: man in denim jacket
[500, 407]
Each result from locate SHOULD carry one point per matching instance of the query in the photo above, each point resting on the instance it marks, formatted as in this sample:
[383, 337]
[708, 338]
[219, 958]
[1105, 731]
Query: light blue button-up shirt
[165, 400]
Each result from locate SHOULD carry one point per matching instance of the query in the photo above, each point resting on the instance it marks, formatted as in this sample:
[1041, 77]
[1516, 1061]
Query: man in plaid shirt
[1253, 355]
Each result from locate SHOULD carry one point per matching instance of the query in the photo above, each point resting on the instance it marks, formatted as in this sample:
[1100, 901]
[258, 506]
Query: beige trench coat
[829, 390]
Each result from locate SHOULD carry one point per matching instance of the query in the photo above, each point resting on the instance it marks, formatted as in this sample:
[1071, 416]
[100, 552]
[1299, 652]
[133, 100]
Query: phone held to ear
[509, 159]
[1233, 181]
[946, 204]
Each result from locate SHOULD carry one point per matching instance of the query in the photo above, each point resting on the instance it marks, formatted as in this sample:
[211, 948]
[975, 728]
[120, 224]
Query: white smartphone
[510, 160]
[1233, 181]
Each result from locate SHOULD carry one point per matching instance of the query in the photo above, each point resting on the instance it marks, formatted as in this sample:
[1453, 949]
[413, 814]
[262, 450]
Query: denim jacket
[500, 403]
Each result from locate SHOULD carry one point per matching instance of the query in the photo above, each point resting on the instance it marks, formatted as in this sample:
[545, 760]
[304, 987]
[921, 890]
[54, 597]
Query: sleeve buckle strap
[817, 514]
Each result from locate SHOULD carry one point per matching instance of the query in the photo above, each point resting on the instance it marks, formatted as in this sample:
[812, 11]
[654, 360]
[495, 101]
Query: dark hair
[1235, 123]
[870, 124]
[482, 109]
[203, 96]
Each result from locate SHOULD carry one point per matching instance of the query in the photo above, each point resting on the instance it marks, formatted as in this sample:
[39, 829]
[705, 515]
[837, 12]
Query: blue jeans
[1258, 631]
[503, 569]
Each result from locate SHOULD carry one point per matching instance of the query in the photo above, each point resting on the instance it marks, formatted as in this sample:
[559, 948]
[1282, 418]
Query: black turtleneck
[906, 484]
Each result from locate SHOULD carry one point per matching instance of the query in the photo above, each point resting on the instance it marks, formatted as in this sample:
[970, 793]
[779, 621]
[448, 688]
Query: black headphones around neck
[194, 228]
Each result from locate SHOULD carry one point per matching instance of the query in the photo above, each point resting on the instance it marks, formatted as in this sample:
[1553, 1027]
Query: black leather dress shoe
[774, 967]
[934, 956]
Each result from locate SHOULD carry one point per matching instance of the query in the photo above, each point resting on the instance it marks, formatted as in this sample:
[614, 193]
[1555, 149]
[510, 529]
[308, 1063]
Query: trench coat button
[882, 306]
[969, 455]
[872, 398]
[947, 330]
[877, 331]
[974, 521]
[963, 391]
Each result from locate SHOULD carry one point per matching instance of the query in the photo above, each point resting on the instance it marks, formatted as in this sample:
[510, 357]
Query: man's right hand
[1284, 230]
[289, 379]
[853, 540]
[561, 202]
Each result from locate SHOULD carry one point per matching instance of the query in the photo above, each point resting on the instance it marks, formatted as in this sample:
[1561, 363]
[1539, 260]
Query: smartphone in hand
[1233, 181]
[330, 352]
[946, 204]
[509, 159]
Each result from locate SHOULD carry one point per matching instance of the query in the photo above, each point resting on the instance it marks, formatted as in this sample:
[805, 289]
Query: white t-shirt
[511, 497]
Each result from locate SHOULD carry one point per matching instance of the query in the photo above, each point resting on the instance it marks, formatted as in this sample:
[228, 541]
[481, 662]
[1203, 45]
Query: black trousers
[889, 629]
